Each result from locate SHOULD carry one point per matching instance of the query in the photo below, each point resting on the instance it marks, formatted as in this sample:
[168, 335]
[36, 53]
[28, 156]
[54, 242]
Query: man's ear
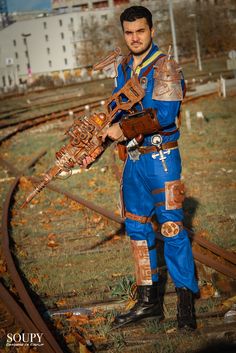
[152, 32]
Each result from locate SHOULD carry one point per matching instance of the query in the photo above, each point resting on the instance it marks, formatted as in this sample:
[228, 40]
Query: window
[25, 41]
[45, 25]
[50, 63]
[46, 37]
[26, 53]
[62, 35]
[104, 17]
[71, 20]
[16, 55]
[65, 61]
[64, 48]
[18, 67]
[14, 42]
[48, 50]
[60, 22]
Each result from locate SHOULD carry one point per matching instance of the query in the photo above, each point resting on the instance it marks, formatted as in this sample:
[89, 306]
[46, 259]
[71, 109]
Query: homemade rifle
[86, 134]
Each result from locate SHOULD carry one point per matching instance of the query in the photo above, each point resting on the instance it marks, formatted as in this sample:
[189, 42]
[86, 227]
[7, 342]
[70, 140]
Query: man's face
[138, 36]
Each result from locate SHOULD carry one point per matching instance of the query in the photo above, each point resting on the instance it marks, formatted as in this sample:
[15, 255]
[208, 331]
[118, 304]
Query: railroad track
[30, 319]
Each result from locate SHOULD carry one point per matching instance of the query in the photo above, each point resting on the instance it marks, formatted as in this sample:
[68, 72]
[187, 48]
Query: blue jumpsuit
[142, 177]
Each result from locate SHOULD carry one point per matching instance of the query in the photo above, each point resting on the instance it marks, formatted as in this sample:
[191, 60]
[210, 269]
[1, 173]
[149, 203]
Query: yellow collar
[146, 62]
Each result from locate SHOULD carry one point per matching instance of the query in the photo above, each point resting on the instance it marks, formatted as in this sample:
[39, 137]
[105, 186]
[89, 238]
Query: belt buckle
[134, 154]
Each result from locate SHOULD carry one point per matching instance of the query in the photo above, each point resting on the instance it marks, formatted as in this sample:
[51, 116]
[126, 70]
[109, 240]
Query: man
[151, 178]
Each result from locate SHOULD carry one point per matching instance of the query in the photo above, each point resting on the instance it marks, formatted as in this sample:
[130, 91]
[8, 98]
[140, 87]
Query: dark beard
[143, 51]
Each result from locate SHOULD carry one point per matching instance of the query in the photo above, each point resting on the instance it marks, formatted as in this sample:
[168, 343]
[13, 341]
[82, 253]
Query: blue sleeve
[167, 112]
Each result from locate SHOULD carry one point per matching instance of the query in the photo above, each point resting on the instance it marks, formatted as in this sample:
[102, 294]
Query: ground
[72, 257]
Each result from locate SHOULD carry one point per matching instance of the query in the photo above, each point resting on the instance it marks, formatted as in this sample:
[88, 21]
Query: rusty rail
[30, 123]
[25, 321]
[34, 318]
[220, 267]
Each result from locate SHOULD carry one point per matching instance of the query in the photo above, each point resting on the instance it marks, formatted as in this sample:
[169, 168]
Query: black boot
[149, 305]
[185, 309]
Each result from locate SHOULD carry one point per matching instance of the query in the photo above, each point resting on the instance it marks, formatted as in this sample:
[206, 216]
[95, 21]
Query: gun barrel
[37, 190]
[54, 171]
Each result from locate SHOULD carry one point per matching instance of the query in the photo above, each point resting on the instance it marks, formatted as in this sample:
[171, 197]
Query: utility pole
[172, 23]
[199, 60]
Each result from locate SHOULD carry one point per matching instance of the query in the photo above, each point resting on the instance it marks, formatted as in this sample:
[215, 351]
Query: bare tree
[215, 29]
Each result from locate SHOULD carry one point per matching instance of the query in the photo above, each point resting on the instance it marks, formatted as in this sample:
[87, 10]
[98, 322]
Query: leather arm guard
[144, 122]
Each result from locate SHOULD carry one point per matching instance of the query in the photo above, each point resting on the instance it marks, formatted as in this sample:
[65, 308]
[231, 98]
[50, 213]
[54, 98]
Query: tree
[215, 29]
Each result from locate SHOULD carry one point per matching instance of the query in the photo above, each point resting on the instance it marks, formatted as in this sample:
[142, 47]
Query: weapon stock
[86, 134]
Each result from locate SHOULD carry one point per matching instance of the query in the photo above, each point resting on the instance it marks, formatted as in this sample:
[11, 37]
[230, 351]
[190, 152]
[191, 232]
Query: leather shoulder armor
[167, 84]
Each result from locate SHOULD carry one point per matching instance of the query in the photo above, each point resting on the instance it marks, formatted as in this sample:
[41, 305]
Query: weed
[123, 287]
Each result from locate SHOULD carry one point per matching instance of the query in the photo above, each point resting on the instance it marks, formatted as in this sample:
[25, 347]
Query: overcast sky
[19, 5]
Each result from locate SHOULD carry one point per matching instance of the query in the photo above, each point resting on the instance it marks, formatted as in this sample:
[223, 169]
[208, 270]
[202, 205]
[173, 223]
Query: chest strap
[146, 72]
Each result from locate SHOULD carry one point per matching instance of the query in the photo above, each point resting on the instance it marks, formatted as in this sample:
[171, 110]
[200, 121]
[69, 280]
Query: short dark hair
[134, 13]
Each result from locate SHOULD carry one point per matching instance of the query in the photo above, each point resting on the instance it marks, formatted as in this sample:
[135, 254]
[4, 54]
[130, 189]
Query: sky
[19, 5]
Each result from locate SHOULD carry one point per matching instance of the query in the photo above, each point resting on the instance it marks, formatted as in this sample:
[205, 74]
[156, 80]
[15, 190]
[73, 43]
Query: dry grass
[64, 248]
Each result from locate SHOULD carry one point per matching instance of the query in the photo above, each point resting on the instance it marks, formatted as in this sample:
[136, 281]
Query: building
[34, 43]
[52, 43]
[41, 45]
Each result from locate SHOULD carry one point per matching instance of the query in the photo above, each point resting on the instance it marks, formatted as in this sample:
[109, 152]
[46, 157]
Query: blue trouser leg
[139, 180]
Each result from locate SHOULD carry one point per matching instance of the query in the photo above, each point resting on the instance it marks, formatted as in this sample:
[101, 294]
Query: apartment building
[50, 43]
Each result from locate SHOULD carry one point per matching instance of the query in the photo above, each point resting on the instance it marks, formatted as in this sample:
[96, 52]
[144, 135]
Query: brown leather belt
[164, 146]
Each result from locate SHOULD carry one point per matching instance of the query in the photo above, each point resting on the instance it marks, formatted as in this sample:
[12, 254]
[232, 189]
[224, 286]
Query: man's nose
[135, 37]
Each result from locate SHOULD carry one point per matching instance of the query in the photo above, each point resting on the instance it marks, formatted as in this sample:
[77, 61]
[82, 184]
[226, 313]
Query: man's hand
[114, 132]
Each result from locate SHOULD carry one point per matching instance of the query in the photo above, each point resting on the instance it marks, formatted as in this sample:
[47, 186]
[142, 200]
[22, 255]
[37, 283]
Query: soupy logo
[24, 339]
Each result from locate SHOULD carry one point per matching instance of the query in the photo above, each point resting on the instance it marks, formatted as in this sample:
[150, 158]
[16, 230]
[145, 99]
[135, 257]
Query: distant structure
[84, 5]
[51, 43]
[4, 13]
[54, 43]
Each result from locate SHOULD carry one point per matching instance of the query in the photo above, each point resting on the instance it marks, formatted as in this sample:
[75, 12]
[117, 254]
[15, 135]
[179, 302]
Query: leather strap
[158, 204]
[158, 191]
[164, 146]
[154, 271]
[140, 219]
[167, 133]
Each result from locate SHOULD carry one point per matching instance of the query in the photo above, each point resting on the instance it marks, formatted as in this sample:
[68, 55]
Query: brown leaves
[52, 241]
[3, 267]
[204, 234]
[75, 206]
[25, 349]
[34, 281]
[25, 184]
[96, 218]
[207, 291]
[62, 302]
[228, 303]
[21, 221]
[52, 244]
[78, 320]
